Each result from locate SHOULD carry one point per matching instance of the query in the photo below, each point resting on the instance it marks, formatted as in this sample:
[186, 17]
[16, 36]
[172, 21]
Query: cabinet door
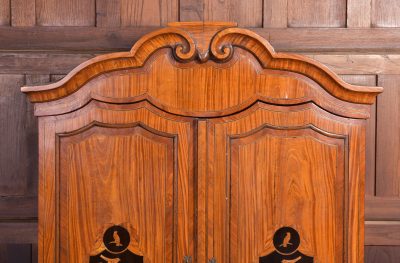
[277, 182]
[122, 187]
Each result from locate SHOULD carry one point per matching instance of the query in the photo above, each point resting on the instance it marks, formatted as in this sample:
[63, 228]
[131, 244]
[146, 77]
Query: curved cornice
[202, 42]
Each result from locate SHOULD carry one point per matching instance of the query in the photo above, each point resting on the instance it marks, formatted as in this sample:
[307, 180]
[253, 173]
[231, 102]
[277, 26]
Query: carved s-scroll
[221, 46]
[182, 44]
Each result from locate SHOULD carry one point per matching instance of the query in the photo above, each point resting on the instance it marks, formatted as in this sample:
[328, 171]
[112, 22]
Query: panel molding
[121, 39]
[18, 208]
[382, 233]
[53, 62]
[382, 208]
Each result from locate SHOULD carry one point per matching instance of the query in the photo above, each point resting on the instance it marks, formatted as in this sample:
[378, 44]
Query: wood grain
[322, 13]
[385, 13]
[5, 12]
[23, 13]
[13, 253]
[204, 50]
[253, 223]
[202, 98]
[45, 62]
[274, 167]
[143, 206]
[70, 38]
[148, 12]
[19, 207]
[108, 13]
[281, 141]
[34, 253]
[387, 254]
[40, 62]
[18, 149]
[326, 39]
[202, 192]
[370, 147]
[18, 232]
[65, 13]
[245, 13]
[359, 13]
[137, 194]
[382, 233]
[368, 51]
[367, 64]
[382, 208]
[388, 139]
[56, 77]
[275, 13]
[90, 39]
[191, 10]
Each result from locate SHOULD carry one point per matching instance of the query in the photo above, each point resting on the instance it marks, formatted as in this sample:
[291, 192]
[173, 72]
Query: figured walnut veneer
[201, 142]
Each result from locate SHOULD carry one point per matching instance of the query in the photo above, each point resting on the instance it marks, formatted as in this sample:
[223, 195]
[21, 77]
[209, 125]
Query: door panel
[271, 167]
[127, 169]
[286, 178]
[116, 176]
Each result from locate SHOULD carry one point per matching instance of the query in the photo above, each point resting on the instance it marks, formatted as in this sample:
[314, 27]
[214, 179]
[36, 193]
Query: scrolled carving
[182, 44]
[184, 53]
[222, 53]
[221, 46]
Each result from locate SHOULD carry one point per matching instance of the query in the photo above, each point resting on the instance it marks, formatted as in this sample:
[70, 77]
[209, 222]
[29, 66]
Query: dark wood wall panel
[245, 13]
[388, 138]
[108, 13]
[321, 13]
[18, 233]
[191, 10]
[148, 12]
[23, 13]
[65, 13]
[15, 253]
[18, 207]
[382, 208]
[358, 13]
[382, 254]
[382, 233]
[251, 13]
[18, 147]
[366, 44]
[4, 12]
[385, 13]
[275, 13]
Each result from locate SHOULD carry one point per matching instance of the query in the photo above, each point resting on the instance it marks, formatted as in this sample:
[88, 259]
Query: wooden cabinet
[201, 144]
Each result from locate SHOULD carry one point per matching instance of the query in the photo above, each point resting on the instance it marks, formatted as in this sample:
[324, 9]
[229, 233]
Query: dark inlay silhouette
[116, 240]
[286, 242]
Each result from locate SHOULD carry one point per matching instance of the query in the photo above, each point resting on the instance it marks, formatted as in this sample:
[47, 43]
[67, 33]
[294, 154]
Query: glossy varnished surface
[105, 177]
[202, 142]
[204, 42]
[130, 165]
[282, 167]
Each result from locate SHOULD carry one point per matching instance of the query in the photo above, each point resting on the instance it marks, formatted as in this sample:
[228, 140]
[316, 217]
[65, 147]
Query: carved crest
[201, 42]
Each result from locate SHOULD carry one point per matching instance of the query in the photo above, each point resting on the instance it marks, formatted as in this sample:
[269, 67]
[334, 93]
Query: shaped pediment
[183, 68]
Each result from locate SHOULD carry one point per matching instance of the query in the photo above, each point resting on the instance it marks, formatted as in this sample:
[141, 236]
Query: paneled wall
[42, 40]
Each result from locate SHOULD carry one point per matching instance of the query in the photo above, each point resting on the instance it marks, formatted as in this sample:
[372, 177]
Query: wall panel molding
[382, 233]
[61, 62]
[117, 39]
